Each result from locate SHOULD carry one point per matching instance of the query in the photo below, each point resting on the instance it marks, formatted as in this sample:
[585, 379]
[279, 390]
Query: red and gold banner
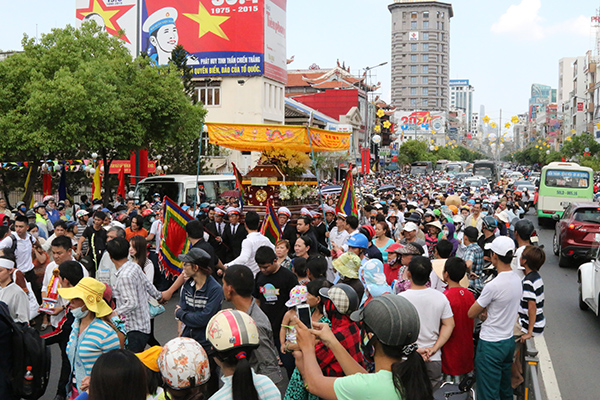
[247, 137]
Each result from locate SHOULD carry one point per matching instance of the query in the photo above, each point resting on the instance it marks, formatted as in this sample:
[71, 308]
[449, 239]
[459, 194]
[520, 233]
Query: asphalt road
[165, 328]
[572, 335]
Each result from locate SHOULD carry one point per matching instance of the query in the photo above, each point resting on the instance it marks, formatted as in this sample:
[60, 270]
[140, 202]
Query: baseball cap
[524, 228]
[501, 245]
[195, 255]
[410, 227]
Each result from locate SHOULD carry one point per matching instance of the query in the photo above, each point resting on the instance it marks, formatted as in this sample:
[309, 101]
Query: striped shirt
[265, 388]
[83, 350]
[533, 290]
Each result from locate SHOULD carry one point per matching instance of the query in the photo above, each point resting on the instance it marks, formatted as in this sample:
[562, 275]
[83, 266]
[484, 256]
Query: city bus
[454, 168]
[441, 165]
[562, 183]
[421, 168]
[487, 169]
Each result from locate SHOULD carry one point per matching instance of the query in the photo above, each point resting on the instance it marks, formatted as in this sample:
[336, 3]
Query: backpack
[28, 349]
[13, 247]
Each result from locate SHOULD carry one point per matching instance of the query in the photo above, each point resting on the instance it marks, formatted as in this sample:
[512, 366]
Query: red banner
[116, 166]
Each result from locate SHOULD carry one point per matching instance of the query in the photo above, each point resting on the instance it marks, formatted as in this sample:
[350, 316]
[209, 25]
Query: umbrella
[386, 188]
[332, 189]
[230, 193]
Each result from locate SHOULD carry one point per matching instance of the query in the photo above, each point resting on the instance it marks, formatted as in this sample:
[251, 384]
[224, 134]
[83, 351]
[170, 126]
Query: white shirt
[337, 237]
[107, 272]
[253, 241]
[156, 230]
[60, 302]
[22, 252]
[432, 307]
[501, 297]
[17, 301]
[516, 263]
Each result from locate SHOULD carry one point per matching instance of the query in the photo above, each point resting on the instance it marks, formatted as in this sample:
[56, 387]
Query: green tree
[77, 91]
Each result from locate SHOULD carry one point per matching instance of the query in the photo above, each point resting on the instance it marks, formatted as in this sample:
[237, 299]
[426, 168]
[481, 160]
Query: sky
[501, 46]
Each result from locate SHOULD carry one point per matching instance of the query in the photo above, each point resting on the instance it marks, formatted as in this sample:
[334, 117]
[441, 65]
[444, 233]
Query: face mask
[484, 213]
[152, 219]
[35, 234]
[445, 232]
[23, 208]
[78, 313]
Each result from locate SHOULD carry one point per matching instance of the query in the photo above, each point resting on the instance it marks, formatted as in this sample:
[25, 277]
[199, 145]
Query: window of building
[425, 91]
[413, 91]
[425, 24]
[425, 46]
[413, 58]
[413, 47]
[425, 102]
[413, 24]
[425, 69]
[413, 80]
[442, 25]
[425, 35]
[442, 14]
[413, 15]
[210, 95]
[425, 57]
[404, 14]
[413, 69]
[438, 14]
[425, 14]
[442, 36]
[425, 80]
[413, 102]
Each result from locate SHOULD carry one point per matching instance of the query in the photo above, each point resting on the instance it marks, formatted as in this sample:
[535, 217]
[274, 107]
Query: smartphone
[303, 312]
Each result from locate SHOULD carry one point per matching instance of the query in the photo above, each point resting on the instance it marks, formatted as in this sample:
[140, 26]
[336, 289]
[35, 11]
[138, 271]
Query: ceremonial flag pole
[239, 185]
[270, 227]
[312, 153]
[347, 202]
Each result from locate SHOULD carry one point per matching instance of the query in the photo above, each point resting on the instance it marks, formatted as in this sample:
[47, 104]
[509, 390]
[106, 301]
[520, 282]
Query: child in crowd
[287, 334]
[299, 265]
[282, 249]
[458, 352]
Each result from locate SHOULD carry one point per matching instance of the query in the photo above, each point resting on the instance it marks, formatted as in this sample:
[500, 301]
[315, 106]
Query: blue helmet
[359, 240]
[490, 223]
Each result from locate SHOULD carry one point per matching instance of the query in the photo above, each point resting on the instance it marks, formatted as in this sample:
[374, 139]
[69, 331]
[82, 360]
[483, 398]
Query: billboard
[459, 82]
[116, 17]
[421, 122]
[223, 37]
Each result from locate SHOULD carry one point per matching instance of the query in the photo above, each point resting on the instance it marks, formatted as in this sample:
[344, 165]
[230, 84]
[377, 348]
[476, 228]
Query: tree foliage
[78, 91]
[416, 150]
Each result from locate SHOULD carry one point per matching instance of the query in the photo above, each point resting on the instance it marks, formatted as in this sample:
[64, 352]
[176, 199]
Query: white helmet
[183, 364]
[231, 328]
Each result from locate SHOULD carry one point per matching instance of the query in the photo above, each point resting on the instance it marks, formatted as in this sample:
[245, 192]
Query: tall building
[420, 54]
[461, 98]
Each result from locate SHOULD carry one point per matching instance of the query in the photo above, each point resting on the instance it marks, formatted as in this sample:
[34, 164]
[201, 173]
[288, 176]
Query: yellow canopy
[248, 137]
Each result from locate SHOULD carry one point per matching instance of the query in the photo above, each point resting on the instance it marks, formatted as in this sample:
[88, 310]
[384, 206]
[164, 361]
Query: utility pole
[498, 135]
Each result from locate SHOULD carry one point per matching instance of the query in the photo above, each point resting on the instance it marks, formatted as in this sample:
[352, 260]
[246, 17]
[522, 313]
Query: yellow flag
[32, 202]
[96, 185]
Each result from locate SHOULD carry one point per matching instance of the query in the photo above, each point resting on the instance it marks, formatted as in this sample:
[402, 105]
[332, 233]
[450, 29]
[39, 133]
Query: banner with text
[246, 137]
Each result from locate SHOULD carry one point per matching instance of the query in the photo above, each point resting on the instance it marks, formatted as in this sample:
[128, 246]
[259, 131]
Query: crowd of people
[425, 285]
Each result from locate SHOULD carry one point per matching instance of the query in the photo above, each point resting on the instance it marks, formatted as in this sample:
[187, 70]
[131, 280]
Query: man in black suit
[320, 229]
[305, 227]
[330, 217]
[217, 230]
[288, 230]
[235, 234]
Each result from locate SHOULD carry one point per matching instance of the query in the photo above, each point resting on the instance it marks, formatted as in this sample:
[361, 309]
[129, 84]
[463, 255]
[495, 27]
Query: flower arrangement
[291, 162]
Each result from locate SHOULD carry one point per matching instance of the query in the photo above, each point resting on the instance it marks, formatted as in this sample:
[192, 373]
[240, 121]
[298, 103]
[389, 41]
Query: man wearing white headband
[11, 294]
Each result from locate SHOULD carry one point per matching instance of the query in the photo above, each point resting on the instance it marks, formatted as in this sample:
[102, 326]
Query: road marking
[547, 370]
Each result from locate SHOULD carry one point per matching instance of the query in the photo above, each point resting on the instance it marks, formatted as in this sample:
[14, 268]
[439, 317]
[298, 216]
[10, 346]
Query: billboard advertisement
[223, 37]
[116, 17]
[421, 122]
[275, 40]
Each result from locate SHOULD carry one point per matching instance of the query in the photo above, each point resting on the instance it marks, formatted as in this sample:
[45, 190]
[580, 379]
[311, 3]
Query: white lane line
[547, 370]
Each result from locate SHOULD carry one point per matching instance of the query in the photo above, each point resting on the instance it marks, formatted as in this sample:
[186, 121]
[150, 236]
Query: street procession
[192, 208]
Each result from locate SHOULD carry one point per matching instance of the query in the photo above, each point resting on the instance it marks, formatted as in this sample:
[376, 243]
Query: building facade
[461, 98]
[420, 54]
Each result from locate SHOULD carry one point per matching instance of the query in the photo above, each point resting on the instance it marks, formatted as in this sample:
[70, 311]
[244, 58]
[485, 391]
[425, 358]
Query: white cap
[501, 245]
[459, 219]
[233, 210]
[304, 211]
[164, 16]
[329, 209]
[284, 211]
[219, 211]
[410, 227]
[503, 216]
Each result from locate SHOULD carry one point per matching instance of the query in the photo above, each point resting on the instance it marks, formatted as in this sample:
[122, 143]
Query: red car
[575, 232]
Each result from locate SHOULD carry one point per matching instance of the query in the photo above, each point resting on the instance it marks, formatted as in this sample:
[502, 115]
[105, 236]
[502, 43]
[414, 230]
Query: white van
[182, 188]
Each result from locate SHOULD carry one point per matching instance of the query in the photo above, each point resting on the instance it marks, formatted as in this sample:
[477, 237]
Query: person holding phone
[287, 333]
[389, 330]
